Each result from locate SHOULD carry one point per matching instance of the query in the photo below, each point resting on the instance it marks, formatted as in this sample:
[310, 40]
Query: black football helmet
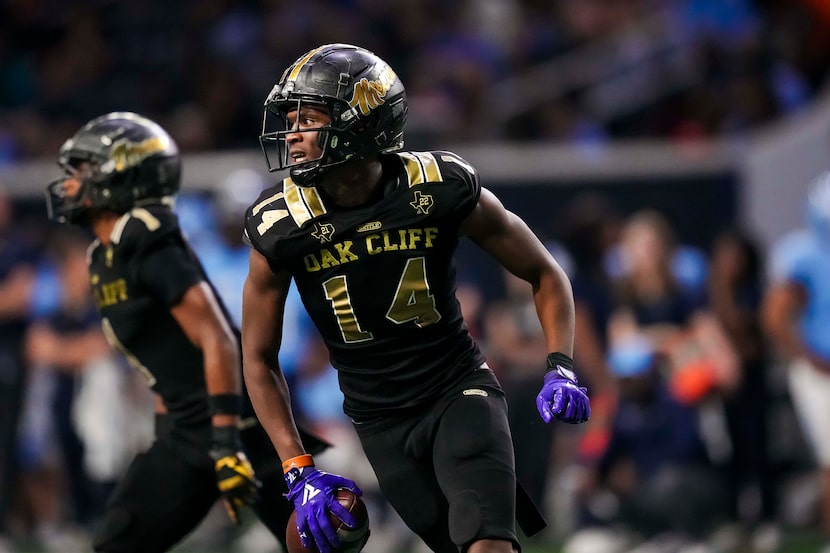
[130, 161]
[363, 96]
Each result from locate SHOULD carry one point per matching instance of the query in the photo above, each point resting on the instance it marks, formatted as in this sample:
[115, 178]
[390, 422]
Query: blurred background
[660, 148]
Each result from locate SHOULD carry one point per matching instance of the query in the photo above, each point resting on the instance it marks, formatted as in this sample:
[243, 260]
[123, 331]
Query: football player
[796, 316]
[159, 310]
[368, 233]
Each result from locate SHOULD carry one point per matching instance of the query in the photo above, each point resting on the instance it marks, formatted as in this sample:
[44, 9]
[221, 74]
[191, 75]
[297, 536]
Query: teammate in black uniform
[159, 309]
[368, 233]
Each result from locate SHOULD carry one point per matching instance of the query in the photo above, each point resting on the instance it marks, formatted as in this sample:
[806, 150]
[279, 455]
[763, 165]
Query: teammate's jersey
[379, 280]
[136, 280]
[801, 258]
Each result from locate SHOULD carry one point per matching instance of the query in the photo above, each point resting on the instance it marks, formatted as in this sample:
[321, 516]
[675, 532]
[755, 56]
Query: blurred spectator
[59, 349]
[796, 315]
[653, 300]
[647, 289]
[655, 479]
[17, 263]
[735, 289]
[701, 363]
[590, 227]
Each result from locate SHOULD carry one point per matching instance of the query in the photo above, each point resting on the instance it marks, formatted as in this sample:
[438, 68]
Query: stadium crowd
[201, 69]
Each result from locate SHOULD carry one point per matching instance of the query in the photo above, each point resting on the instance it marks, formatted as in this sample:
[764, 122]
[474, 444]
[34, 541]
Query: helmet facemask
[90, 193]
[343, 139]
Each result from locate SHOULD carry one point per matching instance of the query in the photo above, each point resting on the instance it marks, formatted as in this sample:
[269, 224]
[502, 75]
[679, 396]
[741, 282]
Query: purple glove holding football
[313, 493]
[561, 396]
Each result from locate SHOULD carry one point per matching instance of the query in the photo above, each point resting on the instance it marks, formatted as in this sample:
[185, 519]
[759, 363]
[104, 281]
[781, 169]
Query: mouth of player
[298, 157]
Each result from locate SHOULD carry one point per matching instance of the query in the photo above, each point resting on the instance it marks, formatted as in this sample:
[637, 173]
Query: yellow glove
[234, 474]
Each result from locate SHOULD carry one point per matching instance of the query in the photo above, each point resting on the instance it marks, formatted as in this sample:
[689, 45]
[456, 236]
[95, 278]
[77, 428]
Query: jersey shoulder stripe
[304, 203]
[141, 223]
[286, 205]
[420, 167]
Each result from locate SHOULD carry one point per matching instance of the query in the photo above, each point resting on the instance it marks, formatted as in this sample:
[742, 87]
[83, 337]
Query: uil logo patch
[422, 203]
[374, 225]
[323, 232]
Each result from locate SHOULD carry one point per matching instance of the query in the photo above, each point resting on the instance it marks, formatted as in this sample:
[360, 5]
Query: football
[352, 540]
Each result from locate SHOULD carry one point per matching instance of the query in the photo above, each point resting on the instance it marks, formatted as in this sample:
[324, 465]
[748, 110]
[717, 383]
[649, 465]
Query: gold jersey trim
[304, 204]
[91, 248]
[150, 221]
[256, 209]
[421, 167]
[112, 338]
[118, 229]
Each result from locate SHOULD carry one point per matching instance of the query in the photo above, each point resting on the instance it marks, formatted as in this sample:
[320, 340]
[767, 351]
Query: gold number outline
[337, 292]
[412, 302]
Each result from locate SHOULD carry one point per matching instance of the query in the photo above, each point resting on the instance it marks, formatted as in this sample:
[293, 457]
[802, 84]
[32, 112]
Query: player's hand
[561, 396]
[313, 493]
[234, 474]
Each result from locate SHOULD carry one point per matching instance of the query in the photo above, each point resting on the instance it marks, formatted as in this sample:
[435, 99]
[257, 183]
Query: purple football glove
[313, 493]
[561, 396]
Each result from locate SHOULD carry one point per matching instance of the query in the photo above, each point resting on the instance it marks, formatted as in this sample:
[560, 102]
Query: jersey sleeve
[169, 270]
[455, 169]
[260, 219]
[161, 260]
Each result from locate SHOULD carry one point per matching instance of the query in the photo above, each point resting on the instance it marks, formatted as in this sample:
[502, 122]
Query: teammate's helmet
[818, 208]
[131, 161]
[363, 96]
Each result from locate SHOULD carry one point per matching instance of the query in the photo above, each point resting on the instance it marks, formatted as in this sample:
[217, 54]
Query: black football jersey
[379, 280]
[136, 279]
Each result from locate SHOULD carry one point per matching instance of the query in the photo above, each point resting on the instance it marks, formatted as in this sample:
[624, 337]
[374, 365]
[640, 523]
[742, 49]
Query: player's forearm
[555, 306]
[269, 395]
[222, 376]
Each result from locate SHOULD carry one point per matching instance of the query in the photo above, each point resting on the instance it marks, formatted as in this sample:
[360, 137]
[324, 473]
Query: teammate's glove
[313, 493]
[561, 396]
[234, 474]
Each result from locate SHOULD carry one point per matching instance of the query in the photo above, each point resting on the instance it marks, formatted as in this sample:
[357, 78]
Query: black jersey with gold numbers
[136, 279]
[379, 280]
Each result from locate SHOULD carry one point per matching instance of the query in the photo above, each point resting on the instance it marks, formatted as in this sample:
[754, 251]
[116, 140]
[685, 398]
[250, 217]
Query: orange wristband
[299, 461]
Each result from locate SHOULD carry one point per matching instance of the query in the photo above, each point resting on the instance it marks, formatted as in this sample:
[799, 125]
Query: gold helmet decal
[126, 154]
[370, 94]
